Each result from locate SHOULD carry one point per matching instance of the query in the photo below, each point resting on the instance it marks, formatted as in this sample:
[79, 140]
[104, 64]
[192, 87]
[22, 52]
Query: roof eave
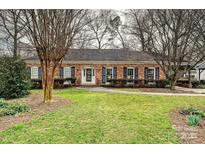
[96, 62]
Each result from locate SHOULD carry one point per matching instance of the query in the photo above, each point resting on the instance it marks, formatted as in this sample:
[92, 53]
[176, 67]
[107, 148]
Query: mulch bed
[162, 90]
[188, 134]
[37, 109]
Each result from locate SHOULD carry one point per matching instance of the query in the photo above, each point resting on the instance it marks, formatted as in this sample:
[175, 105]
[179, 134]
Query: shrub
[161, 83]
[193, 120]
[12, 108]
[194, 115]
[58, 83]
[182, 83]
[14, 78]
[36, 83]
[118, 82]
[200, 86]
[202, 82]
[195, 84]
[72, 80]
[193, 111]
[137, 83]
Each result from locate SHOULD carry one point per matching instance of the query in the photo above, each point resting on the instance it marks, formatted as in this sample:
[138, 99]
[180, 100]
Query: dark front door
[109, 74]
[88, 75]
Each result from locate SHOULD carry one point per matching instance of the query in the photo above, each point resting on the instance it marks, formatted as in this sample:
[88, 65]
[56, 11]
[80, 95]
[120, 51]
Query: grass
[104, 118]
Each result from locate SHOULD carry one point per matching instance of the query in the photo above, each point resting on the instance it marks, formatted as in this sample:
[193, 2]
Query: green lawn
[104, 118]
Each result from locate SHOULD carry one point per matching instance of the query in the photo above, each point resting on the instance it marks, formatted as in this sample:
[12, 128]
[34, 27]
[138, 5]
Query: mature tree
[13, 27]
[52, 33]
[118, 30]
[171, 37]
[98, 28]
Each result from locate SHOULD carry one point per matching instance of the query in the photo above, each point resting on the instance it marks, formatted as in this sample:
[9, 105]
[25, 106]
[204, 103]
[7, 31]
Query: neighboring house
[97, 66]
[198, 72]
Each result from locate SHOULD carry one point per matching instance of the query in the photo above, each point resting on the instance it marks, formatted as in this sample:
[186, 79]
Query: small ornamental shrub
[194, 116]
[12, 108]
[14, 78]
[193, 120]
[193, 111]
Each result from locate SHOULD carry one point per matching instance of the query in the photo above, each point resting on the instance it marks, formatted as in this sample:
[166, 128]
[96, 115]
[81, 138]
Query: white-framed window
[151, 73]
[130, 73]
[34, 72]
[109, 73]
[67, 72]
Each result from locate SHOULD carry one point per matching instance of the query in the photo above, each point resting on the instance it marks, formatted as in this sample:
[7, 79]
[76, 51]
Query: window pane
[109, 74]
[67, 72]
[34, 72]
[151, 74]
[130, 73]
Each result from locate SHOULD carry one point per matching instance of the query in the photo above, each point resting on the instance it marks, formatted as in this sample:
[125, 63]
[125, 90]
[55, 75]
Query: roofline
[96, 62]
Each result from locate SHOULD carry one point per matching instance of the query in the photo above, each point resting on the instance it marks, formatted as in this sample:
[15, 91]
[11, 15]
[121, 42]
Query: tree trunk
[173, 82]
[15, 37]
[48, 71]
[15, 46]
[172, 85]
[189, 79]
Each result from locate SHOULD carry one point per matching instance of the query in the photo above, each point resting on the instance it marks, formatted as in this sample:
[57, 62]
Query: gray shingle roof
[104, 55]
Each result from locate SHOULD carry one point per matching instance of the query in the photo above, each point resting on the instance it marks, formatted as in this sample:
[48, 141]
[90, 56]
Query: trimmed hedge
[195, 84]
[137, 83]
[198, 84]
[182, 83]
[58, 83]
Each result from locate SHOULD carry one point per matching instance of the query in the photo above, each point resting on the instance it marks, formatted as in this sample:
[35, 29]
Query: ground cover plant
[94, 117]
[12, 108]
[194, 116]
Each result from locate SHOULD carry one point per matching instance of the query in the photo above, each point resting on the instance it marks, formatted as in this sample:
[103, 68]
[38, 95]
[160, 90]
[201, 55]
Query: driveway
[200, 91]
[116, 91]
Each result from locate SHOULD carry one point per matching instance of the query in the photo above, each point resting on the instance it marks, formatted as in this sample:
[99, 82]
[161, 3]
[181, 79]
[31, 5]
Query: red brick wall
[98, 70]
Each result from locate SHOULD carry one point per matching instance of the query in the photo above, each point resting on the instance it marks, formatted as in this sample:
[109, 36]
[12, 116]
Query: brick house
[97, 66]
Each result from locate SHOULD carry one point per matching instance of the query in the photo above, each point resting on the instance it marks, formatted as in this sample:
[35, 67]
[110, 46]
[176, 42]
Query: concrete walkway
[116, 91]
[200, 91]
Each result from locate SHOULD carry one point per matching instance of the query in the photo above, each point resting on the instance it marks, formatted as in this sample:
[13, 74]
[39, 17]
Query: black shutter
[61, 72]
[103, 74]
[157, 73]
[72, 72]
[136, 73]
[39, 73]
[115, 73]
[146, 73]
[29, 72]
[125, 72]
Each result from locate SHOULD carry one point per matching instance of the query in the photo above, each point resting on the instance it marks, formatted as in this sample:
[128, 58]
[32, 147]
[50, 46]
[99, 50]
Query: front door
[88, 75]
[109, 74]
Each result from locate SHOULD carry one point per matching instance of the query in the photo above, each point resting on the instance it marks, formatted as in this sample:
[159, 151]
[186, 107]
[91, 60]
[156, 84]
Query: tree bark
[189, 79]
[48, 71]
[15, 46]
[172, 84]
